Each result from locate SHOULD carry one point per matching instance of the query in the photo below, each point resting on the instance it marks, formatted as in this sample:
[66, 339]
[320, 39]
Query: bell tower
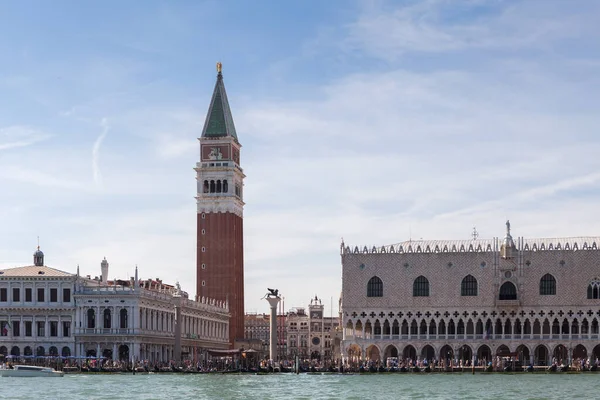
[220, 206]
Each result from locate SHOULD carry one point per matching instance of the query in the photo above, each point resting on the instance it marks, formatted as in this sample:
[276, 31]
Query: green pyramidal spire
[219, 121]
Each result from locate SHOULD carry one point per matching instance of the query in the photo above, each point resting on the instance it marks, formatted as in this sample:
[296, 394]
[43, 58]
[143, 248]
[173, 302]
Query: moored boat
[30, 371]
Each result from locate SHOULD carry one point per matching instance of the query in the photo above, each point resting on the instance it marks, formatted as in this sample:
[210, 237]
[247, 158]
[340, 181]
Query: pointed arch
[375, 287]
[421, 287]
[508, 291]
[547, 285]
[468, 286]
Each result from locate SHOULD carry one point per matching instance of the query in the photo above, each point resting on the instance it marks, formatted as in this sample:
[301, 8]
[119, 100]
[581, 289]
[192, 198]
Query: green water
[289, 386]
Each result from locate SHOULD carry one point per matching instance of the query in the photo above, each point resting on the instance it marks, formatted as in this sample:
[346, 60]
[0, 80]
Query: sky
[371, 121]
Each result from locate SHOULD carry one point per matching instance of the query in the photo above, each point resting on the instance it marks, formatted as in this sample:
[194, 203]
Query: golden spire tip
[219, 67]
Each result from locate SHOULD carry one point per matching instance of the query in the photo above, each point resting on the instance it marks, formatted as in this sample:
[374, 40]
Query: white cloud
[96, 153]
[20, 136]
[389, 31]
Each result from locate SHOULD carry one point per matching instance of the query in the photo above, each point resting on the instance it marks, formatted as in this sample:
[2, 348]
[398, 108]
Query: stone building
[48, 312]
[532, 299]
[37, 310]
[148, 321]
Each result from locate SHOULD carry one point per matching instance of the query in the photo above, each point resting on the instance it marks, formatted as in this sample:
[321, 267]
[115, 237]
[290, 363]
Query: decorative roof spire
[508, 245]
[219, 121]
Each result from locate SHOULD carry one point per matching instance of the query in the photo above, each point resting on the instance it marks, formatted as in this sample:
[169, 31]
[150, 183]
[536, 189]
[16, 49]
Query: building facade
[532, 299]
[48, 312]
[37, 310]
[308, 335]
[220, 206]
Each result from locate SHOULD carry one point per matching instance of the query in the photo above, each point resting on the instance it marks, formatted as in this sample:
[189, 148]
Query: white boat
[29, 371]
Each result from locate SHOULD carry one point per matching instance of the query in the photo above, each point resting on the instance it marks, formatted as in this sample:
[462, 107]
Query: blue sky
[374, 121]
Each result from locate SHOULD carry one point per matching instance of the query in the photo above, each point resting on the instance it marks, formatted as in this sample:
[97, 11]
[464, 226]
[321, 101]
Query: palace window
[66, 295]
[66, 328]
[53, 295]
[123, 318]
[547, 285]
[53, 328]
[508, 291]
[16, 294]
[41, 328]
[375, 287]
[3, 294]
[421, 287]
[468, 286]
[28, 328]
[91, 319]
[40, 295]
[593, 291]
[107, 319]
[16, 328]
[28, 295]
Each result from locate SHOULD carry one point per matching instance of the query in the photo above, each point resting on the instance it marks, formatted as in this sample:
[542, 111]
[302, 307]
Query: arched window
[421, 287]
[206, 188]
[225, 188]
[508, 291]
[212, 186]
[468, 286]
[219, 186]
[107, 319]
[123, 318]
[375, 287]
[91, 318]
[547, 285]
[593, 291]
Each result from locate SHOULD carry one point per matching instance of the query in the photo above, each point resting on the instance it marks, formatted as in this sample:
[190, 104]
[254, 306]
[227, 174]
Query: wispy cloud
[389, 30]
[96, 153]
[20, 136]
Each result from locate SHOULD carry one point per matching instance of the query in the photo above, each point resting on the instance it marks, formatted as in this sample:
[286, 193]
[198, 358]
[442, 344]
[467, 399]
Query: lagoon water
[305, 386]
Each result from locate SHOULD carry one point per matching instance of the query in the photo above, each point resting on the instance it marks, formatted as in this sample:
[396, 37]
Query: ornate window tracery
[593, 291]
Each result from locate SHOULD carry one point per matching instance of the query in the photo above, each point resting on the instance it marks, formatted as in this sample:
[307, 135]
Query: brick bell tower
[220, 234]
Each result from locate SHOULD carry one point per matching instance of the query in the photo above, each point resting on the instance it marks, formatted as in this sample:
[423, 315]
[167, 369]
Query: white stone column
[273, 302]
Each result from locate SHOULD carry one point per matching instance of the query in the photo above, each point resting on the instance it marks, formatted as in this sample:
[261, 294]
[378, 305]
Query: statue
[273, 292]
[215, 154]
[219, 67]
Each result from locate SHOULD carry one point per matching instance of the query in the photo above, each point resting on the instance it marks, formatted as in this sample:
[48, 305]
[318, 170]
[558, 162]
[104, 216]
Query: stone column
[273, 302]
[177, 350]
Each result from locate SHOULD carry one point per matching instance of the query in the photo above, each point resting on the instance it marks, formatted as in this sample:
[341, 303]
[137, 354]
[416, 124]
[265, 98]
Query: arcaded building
[532, 299]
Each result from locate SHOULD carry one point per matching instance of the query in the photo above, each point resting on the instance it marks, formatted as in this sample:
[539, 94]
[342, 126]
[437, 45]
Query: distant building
[220, 211]
[310, 336]
[532, 299]
[48, 312]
